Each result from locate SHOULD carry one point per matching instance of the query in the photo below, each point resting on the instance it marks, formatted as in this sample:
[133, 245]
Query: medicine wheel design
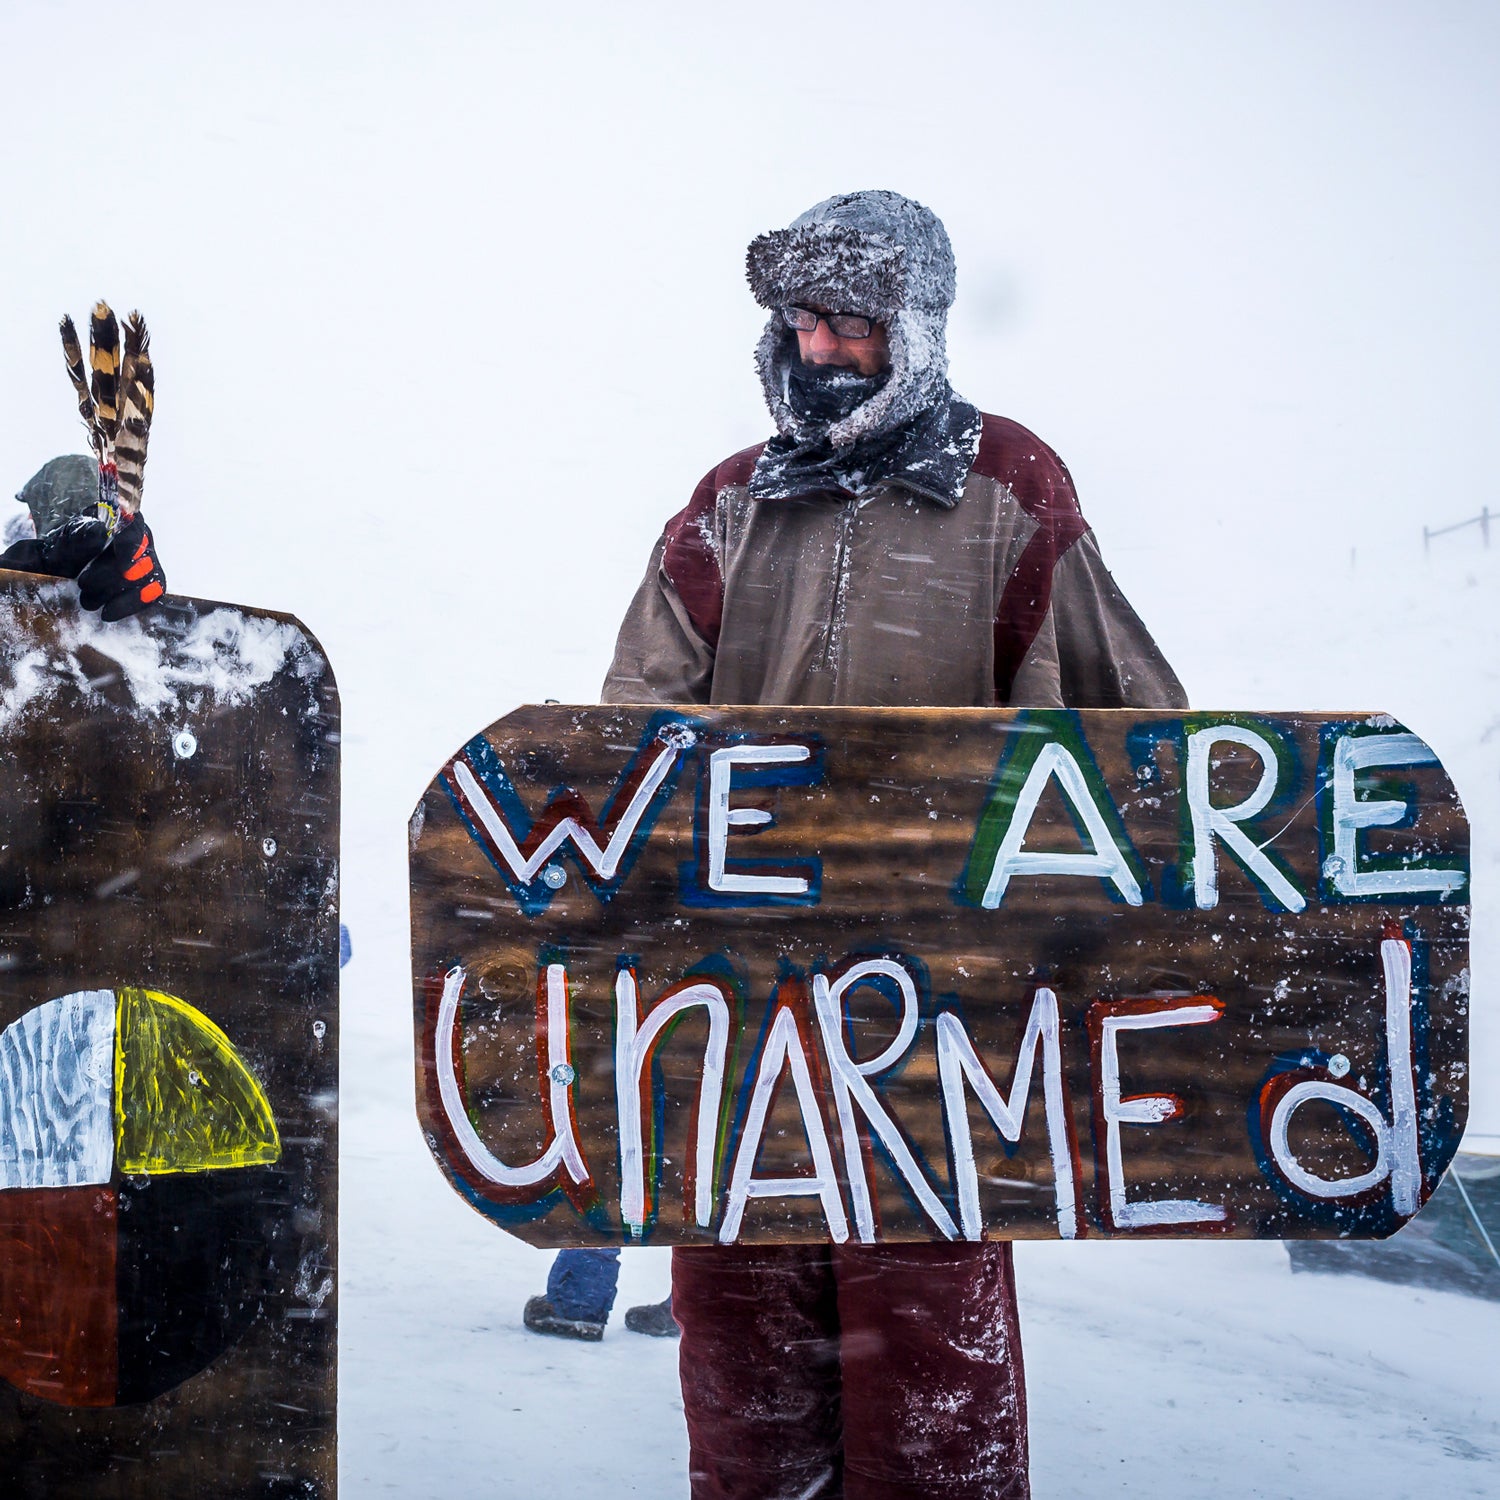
[136, 1150]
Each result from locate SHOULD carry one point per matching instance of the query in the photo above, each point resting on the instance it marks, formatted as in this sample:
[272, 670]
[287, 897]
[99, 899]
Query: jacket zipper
[831, 630]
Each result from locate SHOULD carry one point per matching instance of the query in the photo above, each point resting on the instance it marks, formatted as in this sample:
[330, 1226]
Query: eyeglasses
[841, 325]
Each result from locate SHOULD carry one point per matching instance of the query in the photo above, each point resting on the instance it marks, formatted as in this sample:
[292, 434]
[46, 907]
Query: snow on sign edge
[225, 654]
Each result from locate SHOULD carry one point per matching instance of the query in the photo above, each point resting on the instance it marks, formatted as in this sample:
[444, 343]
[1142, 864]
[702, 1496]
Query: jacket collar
[930, 457]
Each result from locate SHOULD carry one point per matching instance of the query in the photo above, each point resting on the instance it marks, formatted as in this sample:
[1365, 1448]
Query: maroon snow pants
[875, 1372]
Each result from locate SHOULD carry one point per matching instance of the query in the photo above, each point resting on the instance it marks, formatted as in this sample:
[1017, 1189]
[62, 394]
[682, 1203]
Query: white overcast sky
[466, 279]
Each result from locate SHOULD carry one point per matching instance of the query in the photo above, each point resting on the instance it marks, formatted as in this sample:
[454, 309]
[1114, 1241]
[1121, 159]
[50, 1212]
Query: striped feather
[73, 354]
[138, 388]
[104, 360]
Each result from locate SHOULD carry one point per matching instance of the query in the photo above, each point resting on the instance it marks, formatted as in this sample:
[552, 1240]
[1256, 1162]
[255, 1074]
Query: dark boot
[541, 1317]
[654, 1318]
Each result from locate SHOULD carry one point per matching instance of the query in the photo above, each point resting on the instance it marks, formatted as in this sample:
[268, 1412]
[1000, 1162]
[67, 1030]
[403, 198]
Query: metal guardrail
[1482, 521]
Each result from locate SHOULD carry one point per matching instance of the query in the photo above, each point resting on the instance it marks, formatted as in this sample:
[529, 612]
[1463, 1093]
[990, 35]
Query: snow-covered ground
[448, 318]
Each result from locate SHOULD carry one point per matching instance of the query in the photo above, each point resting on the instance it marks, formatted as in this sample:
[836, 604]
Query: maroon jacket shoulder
[689, 559]
[1014, 456]
[736, 469]
[1040, 481]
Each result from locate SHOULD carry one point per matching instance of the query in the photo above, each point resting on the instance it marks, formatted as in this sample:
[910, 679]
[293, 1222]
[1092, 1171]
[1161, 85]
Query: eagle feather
[104, 360]
[116, 397]
[138, 390]
[78, 374]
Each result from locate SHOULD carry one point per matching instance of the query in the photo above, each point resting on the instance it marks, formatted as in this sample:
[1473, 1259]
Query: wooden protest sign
[168, 1050]
[753, 974]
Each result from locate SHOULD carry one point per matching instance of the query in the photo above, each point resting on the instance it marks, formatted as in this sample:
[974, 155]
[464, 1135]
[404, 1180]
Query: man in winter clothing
[890, 545]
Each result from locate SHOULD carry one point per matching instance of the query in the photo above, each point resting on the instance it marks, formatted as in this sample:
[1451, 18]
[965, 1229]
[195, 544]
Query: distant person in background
[61, 534]
[580, 1295]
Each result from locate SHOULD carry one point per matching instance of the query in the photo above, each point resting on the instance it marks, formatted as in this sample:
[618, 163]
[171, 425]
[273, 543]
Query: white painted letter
[1396, 1150]
[633, 1045]
[1144, 1109]
[1210, 821]
[849, 1088]
[722, 817]
[783, 1046]
[1106, 861]
[564, 1148]
[957, 1061]
[1354, 753]
[604, 862]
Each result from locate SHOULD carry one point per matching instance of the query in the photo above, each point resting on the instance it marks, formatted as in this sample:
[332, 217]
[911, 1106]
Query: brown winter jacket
[890, 599]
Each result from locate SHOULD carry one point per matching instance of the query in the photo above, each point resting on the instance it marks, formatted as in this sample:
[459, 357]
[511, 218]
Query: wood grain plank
[895, 819]
[169, 821]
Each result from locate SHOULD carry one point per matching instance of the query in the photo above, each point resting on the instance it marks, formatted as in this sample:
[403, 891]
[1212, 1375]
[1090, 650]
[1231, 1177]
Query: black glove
[126, 577]
[117, 575]
[63, 552]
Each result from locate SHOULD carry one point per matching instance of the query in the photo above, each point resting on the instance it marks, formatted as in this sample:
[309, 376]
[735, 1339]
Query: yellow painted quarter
[184, 1099]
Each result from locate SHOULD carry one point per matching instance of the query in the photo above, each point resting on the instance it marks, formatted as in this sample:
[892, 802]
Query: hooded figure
[884, 257]
[888, 546]
[61, 490]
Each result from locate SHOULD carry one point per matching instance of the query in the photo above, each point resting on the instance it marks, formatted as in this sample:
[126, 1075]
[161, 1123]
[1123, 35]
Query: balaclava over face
[874, 253]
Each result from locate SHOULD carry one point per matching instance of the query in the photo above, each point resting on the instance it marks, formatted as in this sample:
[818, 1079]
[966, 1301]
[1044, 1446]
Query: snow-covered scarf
[888, 258]
[930, 456]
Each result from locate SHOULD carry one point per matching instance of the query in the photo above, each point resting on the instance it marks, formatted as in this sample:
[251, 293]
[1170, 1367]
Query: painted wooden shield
[168, 1050]
[720, 975]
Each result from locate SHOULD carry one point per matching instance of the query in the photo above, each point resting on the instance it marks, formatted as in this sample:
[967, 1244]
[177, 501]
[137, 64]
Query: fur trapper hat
[875, 253]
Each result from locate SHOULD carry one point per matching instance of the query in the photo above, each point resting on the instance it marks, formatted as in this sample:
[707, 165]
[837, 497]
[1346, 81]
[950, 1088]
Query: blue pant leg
[581, 1284]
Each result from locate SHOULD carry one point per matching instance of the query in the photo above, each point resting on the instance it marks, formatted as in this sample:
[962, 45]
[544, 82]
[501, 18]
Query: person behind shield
[86, 514]
[61, 534]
